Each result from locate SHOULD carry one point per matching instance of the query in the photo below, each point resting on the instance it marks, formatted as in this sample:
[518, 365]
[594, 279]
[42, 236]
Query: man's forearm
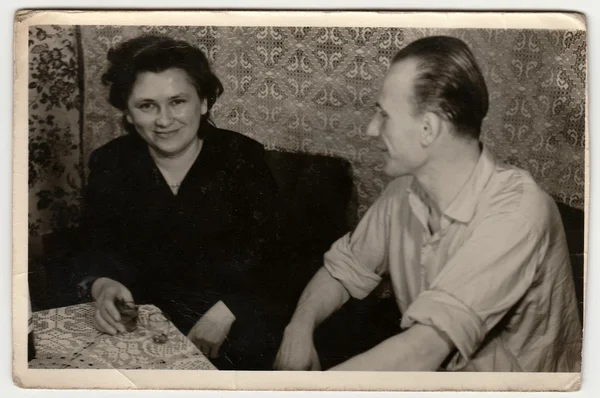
[420, 348]
[322, 297]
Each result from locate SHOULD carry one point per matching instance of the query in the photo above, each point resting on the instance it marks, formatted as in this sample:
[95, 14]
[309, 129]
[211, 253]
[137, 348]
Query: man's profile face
[396, 126]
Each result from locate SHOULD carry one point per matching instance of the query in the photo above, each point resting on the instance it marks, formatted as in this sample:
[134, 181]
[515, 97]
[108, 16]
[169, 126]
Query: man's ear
[430, 129]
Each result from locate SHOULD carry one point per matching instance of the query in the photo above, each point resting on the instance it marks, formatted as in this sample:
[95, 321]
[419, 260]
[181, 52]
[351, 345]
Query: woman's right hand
[105, 292]
[297, 350]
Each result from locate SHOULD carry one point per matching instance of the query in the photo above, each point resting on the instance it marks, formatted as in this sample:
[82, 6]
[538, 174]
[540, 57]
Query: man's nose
[373, 128]
[165, 117]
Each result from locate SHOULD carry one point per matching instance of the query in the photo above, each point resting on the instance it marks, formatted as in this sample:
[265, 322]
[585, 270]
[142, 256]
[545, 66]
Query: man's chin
[393, 172]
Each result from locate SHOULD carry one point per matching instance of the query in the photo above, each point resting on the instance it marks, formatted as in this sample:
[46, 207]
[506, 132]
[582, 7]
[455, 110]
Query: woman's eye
[178, 101]
[146, 106]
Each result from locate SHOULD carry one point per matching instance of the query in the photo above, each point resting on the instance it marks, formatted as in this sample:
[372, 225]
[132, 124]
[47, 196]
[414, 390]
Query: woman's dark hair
[156, 53]
[449, 82]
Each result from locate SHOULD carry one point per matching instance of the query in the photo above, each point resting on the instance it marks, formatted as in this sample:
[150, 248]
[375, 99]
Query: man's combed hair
[156, 53]
[449, 82]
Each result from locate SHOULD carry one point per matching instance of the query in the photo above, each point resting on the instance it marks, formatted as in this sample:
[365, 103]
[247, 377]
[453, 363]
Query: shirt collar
[463, 206]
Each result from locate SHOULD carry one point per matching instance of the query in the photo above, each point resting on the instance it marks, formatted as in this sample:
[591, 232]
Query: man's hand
[297, 350]
[107, 318]
[209, 333]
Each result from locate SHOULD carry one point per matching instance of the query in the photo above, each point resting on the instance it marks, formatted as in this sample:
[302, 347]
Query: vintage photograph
[295, 196]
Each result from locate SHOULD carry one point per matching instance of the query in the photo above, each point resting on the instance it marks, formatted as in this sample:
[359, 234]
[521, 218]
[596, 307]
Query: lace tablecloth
[66, 338]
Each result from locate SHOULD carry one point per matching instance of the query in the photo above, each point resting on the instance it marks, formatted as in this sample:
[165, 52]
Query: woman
[178, 211]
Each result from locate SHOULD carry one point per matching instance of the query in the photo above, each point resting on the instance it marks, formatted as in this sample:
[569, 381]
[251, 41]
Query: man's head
[433, 91]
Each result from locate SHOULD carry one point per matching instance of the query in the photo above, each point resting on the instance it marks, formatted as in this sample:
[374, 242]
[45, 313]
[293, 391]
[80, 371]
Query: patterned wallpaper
[313, 90]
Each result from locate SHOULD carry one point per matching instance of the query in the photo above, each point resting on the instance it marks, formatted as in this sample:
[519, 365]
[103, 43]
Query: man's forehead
[399, 79]
[401, 73]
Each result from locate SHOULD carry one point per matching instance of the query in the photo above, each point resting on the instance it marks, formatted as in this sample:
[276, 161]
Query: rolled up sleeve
[343, 265]
[358, 259]
[481, 282]
[450, 316]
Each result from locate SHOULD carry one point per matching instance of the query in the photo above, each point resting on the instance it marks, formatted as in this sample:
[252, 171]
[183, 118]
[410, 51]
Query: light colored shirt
[495, 278]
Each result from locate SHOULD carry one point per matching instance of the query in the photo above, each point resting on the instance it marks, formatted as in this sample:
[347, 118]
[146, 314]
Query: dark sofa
[318, 206]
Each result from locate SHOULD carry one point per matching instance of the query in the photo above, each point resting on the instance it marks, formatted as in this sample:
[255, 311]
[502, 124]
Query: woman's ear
[431, 128]
[128, 116]
[204, 107]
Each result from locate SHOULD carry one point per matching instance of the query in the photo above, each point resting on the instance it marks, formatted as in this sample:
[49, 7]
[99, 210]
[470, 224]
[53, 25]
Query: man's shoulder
[514, 192]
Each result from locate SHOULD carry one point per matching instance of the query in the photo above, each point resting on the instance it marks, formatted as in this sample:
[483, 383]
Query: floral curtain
[312, 89]
[55, 161]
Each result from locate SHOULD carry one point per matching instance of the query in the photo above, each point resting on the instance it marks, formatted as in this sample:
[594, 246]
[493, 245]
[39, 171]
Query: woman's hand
[297, 350]
[107, 318]
[209, 333]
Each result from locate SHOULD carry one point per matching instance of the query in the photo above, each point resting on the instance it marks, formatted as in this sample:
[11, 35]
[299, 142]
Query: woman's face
[166, 111]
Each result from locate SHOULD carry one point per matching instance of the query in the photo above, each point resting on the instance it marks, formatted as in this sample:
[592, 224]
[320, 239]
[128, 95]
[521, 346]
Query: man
[475, 250]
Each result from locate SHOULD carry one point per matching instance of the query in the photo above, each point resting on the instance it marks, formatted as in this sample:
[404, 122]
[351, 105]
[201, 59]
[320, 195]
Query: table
[65, 338]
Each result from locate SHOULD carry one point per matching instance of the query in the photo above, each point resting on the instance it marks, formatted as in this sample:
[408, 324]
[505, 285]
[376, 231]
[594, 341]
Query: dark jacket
[183, 252]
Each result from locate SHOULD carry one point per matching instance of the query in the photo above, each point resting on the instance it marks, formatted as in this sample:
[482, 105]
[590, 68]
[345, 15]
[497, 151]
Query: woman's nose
[164, 117]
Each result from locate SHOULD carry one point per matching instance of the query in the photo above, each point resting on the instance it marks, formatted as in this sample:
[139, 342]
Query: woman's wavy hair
[157, 53]
[449, 82]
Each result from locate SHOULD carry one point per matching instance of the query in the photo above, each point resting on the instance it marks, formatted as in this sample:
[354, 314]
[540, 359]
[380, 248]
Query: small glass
[159, 325]
[129, 314]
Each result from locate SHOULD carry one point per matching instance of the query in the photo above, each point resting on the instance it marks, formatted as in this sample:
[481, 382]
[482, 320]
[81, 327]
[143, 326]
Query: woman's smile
[167, 134]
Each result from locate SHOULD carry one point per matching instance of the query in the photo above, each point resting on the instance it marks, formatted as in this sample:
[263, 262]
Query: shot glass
[129, 314]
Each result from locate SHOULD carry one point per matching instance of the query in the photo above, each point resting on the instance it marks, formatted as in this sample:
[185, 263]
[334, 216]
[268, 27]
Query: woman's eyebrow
[144, 99]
